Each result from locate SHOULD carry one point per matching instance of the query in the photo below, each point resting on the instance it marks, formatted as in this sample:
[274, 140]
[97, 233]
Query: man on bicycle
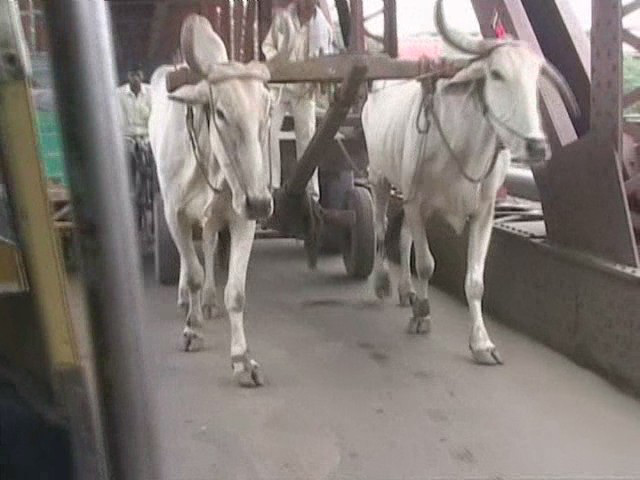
[134, 98]
[135, 105]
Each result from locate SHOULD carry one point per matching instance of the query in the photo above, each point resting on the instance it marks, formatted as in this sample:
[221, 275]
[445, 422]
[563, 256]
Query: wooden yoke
[379, 67]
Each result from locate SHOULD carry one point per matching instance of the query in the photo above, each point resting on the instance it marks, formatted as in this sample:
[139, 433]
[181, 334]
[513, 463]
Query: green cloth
[50, 144]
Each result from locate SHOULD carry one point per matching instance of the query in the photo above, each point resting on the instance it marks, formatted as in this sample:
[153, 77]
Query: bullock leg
[420, 323]
[406, 292]
[209, 242]
[245, 368]
[191, 276]
[183, 290]
[481, 346]
[381, 282]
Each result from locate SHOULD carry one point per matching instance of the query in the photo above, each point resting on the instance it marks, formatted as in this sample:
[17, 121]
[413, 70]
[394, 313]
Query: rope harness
[209, 118]
[427, 110]
[195, 147]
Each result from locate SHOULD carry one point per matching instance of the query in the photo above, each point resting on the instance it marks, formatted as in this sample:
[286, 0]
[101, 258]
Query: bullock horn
[557, 80]
[458, 40]
[201, 47]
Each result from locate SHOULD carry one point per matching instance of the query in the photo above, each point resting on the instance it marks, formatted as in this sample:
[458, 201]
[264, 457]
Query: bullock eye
[496, 75]
[219, 114]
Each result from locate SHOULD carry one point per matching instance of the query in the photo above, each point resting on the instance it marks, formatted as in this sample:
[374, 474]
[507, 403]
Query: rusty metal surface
[555, 24]
[225, 22]
[630, 135]
[158, 20]
[580, 305]
[584, 201]
[521, 183]
[513, 16]
[264, 22]
[236, 28]
[147, 31]
[356, 42]
[132, 27]
[581, 192]
[342, 7]
[390, 28]
[606, 71]
[250, 19]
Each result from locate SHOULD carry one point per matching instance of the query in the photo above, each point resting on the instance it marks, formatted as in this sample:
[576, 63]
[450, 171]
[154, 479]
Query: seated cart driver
[311, 36]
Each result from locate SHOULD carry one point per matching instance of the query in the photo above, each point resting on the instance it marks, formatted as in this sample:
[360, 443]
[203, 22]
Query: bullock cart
[343, 220]
[346, 211]
[344, 217]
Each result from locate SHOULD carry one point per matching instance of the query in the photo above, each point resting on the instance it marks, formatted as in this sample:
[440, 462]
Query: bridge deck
[350, 396]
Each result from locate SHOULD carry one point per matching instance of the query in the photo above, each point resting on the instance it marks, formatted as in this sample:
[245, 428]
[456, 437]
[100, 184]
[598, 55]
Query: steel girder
[574, 174]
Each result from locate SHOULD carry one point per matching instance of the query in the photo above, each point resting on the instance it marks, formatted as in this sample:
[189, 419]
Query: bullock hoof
[247, 371]
[382, 284]
[489, 356]
[406, 299]
[192, 341]
[419, 325]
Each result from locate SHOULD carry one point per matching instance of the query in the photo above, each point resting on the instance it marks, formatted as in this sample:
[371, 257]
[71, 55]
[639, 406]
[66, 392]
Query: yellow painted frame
[27, 186]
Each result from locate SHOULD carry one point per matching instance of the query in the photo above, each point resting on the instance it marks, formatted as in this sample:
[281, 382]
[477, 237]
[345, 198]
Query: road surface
[349, 395]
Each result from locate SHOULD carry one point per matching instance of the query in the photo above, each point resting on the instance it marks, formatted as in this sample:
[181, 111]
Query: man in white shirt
[135, 104]
[134, 98]
[310, 35]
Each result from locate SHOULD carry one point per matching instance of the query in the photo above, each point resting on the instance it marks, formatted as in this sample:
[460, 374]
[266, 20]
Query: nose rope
[240, 175]
[197, 152]
[195, 147]
[428, 109]
[487, 112]
[231, 164]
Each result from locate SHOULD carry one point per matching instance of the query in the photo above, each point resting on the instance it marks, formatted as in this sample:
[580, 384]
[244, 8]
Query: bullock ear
[475, 71]
[197, 94]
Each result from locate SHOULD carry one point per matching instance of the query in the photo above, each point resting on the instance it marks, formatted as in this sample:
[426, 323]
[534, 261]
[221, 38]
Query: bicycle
[144, 186]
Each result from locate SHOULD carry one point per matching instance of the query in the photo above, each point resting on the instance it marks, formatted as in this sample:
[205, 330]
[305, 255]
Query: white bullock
[448, 150]
[212, 173]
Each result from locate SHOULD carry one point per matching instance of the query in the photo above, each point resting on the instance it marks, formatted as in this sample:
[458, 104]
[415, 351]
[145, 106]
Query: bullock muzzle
[259, 206]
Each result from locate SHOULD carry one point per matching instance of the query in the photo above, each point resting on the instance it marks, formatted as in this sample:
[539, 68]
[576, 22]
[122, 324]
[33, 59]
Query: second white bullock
[208, 138]
[448, 148]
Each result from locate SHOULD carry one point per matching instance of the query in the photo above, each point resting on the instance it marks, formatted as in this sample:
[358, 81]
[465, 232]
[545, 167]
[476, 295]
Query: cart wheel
[166, 257]
[359, 243]
[334, 187]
